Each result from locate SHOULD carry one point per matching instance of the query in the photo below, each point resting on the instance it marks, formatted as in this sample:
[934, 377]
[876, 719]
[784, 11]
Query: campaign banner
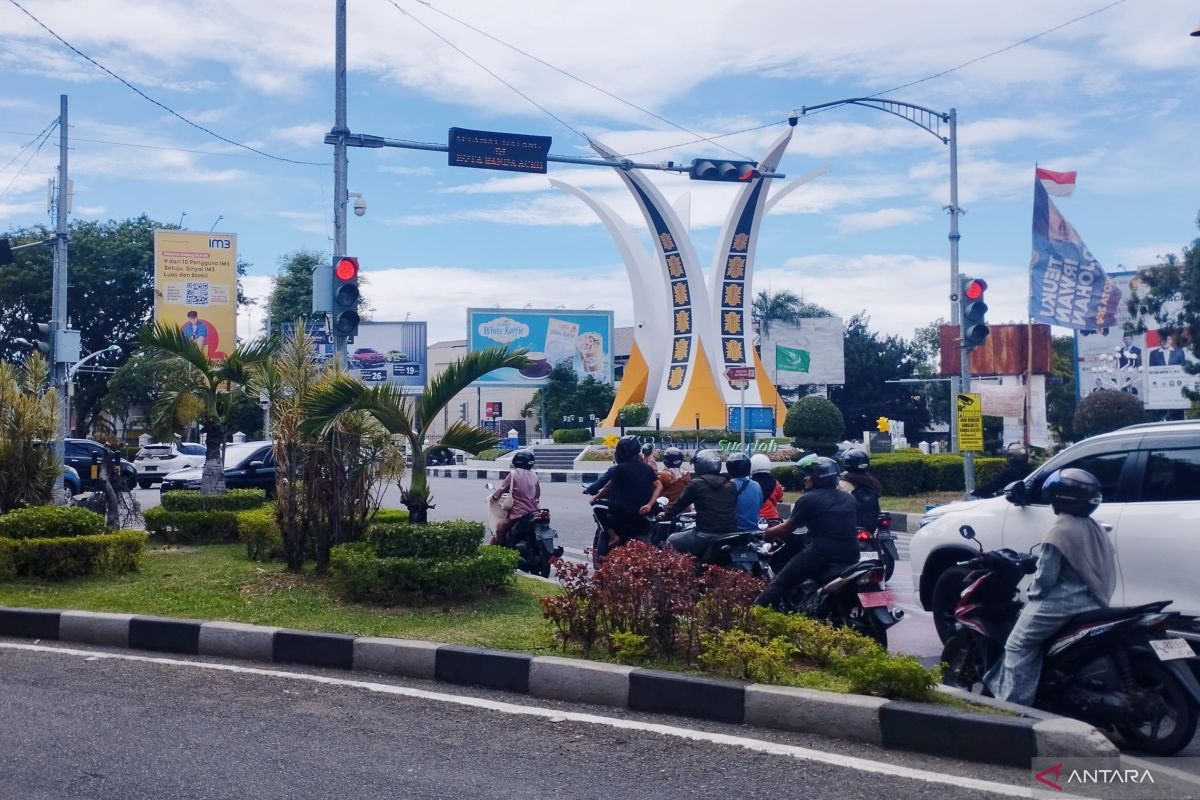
[1067, 285]
[581, 340]
[809, 352]
[195, 287]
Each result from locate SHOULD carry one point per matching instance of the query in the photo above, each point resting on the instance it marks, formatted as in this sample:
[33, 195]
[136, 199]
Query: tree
[566, 396]
[927, 352]
[216, 384]
[1107, 410]
[402, 416]
[28, 420]
[815, 424]
[785, 306]
[1060, 390]
[871, 361]
[291, 289]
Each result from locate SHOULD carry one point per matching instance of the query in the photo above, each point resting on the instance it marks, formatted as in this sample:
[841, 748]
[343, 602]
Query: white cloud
[880, 219]
[1143, 255]
[306, 134]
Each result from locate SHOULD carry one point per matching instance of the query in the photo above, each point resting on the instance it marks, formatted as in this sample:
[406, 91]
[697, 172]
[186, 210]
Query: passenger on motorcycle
[772, 491]
[522, 484]
[864, 487]
[629, 487]
[673, 477]
[749, 496]
[831, 517]
[648, 456]
[1076, 572]
[715, 499]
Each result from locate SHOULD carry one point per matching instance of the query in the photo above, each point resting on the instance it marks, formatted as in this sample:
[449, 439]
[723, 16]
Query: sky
[1112, 95]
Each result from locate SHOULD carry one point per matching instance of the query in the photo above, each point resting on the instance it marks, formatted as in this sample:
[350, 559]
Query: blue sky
[1113, 96]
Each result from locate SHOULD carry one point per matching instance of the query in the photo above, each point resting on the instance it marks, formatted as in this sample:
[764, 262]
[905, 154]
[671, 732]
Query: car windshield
[235, 454]
[154, 451]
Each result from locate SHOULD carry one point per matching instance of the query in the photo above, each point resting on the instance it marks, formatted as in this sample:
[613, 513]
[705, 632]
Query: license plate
[1170, 649]
[875, 599]
[545, 533]
[150, 469]
[743, 556]
[868, 555]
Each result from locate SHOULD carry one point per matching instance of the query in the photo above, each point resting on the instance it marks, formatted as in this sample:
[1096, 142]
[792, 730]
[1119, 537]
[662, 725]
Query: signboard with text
[580, 340]
[195, 287]
[758, 418]
[970, 422]
[512, 152]
[382, 352]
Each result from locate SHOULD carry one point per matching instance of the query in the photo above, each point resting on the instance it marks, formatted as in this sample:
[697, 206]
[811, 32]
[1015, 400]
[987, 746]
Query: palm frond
[464, 436]
[165, 413]
[341, 395]
[165, 341]
[462, 372]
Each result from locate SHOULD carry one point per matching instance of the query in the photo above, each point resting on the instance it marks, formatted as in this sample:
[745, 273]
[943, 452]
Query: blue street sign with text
[758, 418]
[514, 152]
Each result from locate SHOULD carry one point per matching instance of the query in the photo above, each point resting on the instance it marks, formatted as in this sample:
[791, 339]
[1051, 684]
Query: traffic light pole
[58, 311]
[340, 167]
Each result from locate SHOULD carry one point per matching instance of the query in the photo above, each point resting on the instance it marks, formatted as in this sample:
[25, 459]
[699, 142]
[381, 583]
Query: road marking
[772, 748]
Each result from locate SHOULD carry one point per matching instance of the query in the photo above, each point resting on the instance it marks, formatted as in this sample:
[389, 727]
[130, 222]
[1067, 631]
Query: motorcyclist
[648, 456]
[673, 477]
[1076, 572]
[864, 487]
[1016, 468]
[772, 490]
[749, 495]
[522, 484]
[831, 518]
[715, 499]
[629, 487]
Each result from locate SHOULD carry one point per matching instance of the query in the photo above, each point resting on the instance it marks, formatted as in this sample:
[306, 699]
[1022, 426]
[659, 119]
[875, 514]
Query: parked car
[444, 456]
[367, 357]
[250, 465]
[1150, 475]
[80, 454]
[71, 481]
[396, 357]
[155, 460]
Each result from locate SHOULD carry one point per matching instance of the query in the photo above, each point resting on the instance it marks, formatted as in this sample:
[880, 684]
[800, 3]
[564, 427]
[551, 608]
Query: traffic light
[345, 296]
[883, 425]
[737, 171]
[462, 411]
[45, 337]
[975, 330]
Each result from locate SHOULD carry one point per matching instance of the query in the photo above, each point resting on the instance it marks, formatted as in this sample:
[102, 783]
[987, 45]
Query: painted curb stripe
[703, 698]
[314, 649]
[35, 623]
[973, 737]
[166, 635]
[469, 666]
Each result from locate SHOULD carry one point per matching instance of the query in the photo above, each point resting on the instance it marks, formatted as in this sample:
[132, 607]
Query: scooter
[850, 596]
[1116, 668]
[879, 543]
[531, 536]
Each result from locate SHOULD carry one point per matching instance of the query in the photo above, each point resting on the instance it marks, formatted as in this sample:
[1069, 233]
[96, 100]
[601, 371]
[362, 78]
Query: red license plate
[876, 599]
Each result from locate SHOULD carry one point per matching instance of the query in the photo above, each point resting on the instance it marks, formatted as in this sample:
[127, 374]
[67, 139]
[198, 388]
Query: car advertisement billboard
[580, 339]
[382, 352]
[195, 287]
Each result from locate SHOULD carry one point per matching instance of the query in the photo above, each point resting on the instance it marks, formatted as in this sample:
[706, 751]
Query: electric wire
[45, 135]
[30, 143]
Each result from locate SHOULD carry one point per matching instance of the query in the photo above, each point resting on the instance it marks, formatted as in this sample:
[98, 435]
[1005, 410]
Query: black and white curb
[550, 475]
[934, 729]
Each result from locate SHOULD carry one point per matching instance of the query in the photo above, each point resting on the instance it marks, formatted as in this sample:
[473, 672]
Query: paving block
[94, 627]
[686, 695]
[408, 657]
[32, 623]
[237, 640]
[166, 635]
[579, 681]
[843, 716]
[314, 649]
[495, 669]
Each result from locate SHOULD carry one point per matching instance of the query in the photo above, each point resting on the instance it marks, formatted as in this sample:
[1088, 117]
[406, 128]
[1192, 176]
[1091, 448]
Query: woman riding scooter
[522, 484]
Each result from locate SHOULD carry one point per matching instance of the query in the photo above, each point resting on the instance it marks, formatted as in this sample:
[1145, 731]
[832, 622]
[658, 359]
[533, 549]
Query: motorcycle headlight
[1153, 620]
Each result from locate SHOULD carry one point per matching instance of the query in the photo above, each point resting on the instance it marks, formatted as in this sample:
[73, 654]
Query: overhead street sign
[739, 373]
[514, 152]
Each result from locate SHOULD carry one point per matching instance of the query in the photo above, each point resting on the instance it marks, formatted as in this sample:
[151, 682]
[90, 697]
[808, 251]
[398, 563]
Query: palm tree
[784, 306]
[211, 384]
[410, 418]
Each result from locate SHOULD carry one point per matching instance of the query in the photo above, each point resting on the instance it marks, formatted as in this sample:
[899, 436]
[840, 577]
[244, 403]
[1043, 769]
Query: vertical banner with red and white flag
[1067, 286]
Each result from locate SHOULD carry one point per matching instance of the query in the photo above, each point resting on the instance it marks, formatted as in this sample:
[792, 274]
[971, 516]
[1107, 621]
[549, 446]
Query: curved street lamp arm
[924, 118]
[112, 348]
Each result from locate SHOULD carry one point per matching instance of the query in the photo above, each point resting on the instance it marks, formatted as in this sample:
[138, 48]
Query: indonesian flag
[1059, 184]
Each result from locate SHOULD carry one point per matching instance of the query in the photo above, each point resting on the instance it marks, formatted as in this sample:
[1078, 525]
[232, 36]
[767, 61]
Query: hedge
[72, 556]
[684, 438]
[491, 454]
[634, 414]
[50, 522]
[192, 527]
[358, 573]
[906, 474]
[260, 532]
[232, 500]
[571, 435]
[434, 540]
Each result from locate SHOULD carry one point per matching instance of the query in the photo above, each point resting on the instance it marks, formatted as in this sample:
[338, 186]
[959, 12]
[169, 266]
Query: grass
[914, 504]
[218, 582]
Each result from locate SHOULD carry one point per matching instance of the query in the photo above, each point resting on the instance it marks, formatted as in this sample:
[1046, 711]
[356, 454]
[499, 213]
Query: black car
[81, 454]
[249, 465]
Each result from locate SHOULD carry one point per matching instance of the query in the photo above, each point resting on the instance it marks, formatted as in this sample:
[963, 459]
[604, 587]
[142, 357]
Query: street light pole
[58, 291]
[338, 136]
[73, 371]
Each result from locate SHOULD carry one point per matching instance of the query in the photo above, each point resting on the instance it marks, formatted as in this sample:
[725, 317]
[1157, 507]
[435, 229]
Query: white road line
[802, 753]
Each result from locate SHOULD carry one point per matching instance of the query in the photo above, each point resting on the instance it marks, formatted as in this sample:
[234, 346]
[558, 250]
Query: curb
[937, 730]
[553, 476]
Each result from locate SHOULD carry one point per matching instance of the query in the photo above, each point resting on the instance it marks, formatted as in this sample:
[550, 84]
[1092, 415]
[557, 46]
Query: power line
[147, 97]
[30, 143]
[44, 135]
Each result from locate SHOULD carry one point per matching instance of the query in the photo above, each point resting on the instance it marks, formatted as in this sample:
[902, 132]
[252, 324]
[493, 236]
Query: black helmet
[1072, 491]
[823, 471]
[673, 457]
[647, 448]
[523, 459]
[707, 462]
[738, 465]
[1017, 452]
[626, 449]
[856, 460]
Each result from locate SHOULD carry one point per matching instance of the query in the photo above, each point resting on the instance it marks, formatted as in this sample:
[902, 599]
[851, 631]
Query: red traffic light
[974, 289]
[346, 269]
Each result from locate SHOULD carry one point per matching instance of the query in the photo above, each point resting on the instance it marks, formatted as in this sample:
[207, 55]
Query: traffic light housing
[704, 169]
[345, 296]
[45, 338]
[883, 425]
[974, 309]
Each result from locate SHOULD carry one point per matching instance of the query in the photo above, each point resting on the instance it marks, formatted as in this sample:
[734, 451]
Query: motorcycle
[530, 535]
[1115, 668]
[880, 543]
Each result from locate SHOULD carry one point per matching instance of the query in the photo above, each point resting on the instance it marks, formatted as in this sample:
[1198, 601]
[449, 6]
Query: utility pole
[58, 310]
[964, 354]
[339, 133]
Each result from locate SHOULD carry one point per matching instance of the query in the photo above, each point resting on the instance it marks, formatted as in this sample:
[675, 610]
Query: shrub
[192, 527]
[389, 516]
[232, 500]
[597, 454]
[815, 423]
[260, 531]
[1107, 410]
[359, 573]
[491, 454]
[740, 655]
[446, 540]
[910, 473]
[74, 556]
[789, 478]
[571, 435]
[47, 522]
[635, 414]
[886, 675]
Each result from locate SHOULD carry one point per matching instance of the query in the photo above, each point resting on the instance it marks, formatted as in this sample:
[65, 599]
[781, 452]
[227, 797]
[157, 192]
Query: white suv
[1150, 475]
[155, 460]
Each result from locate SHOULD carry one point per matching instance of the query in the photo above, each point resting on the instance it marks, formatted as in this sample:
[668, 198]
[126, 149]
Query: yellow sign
[883, 425]
[195, 287]
[970, 422]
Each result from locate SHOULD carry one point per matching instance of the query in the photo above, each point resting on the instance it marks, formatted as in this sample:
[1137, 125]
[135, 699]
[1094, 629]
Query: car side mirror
[1015, 493]
[253, 466]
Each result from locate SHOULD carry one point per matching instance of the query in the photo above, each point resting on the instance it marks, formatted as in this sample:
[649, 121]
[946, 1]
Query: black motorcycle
[881, 542]
[1115, 668]
[533, 539]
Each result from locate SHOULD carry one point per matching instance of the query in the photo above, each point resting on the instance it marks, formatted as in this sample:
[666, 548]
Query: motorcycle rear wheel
[967, 660]
[1173, 705]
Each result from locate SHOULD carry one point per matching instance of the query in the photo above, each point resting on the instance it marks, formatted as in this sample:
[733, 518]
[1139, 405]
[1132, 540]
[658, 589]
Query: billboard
[1148, 365]
[581, 339]
[382, 352]
[810, 352]
[195, 287]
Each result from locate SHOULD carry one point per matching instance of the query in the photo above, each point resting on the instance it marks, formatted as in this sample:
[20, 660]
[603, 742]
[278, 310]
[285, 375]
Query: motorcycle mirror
[1015, 493]
[966, 531]
[763, 525]
[663, 502]
[490, 487]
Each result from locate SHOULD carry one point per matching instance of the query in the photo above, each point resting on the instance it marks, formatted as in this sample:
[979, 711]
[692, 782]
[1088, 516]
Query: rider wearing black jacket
[864, 487]
[715, 498]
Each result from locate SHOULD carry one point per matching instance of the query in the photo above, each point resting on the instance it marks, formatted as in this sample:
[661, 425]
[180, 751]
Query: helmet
[673, 457]
[1017, 452]
[759, 463]
[626, 449]
[805, 461]
[1072, 491]
[738, 465]
[707, 462]
[823, 471]
[856, 460]
[523, 459]
[647, 448]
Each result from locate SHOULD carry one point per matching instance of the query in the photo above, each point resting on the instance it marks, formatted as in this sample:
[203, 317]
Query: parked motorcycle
[880, 543]
[1115, 668]
[531, 536]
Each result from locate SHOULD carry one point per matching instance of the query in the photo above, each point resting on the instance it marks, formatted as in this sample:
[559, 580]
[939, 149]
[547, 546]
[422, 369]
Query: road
[81, 723]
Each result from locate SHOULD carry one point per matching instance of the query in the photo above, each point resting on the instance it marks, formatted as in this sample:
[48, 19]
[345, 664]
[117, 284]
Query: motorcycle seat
[1114, 612]
[837, 571]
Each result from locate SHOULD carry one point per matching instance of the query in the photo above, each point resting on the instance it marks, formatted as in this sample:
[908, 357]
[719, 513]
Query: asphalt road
[75, 725]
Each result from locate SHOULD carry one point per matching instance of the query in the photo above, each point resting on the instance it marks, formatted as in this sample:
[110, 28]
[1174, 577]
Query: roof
[622, 342]
[450, 343]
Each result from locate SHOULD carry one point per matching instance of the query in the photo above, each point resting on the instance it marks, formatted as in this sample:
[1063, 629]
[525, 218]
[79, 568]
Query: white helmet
[759, 463]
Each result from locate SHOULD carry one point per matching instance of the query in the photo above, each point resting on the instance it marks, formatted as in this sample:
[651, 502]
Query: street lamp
[112, 348]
